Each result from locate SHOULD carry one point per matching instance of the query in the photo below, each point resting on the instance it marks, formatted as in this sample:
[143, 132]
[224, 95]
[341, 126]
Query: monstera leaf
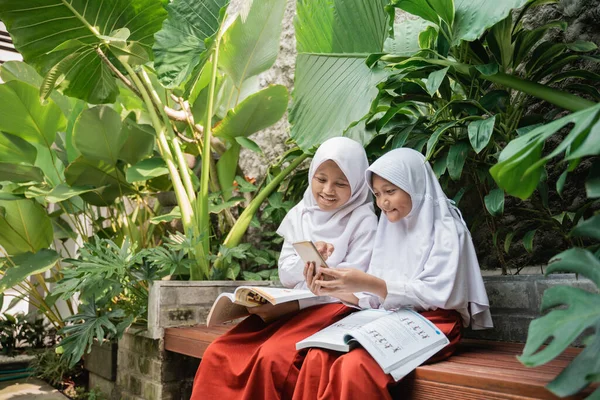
[520, 164]
[333, 85]
[580, 310]
[62, 39]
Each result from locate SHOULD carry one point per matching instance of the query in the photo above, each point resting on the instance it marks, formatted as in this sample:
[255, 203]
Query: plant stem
[203, 217]
[239, 229]
[185, 206]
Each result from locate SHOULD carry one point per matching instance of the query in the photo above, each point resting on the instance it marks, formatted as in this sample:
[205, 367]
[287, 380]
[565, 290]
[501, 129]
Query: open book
[399, 341]
[230, 306]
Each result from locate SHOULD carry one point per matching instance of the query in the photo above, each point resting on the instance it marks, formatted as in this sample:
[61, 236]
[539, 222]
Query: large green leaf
[565, 324]
[181, 42]
[330, 93]
[96, 173]
[470, 17]
[22, 114]
[97, 134]
[333, 87]
[227, 167]
[494, 202]
[60, 36]
[20, 173]
[146, 169]
[256, 112]
[405, 42]
[340, 26]
[480, 132]
[473, 17]
[250, 45]
[15, 150]
[20, 71]
[520, 164]
[588, 228]
[26, 264]
[24, 226]
[139, 142]
[64, 192]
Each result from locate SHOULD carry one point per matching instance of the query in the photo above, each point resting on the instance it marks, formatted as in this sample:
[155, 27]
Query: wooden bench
[480, 369]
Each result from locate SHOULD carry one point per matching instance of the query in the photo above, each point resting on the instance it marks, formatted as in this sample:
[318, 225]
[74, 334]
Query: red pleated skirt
[259, 361]
[355, 375]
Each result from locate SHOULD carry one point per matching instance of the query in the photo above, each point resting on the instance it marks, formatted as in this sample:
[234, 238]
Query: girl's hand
[349, 280]
[268, 312]
[311, 278]
[325, 249]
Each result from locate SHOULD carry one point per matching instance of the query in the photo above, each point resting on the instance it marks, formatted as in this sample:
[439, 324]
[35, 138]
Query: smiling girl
[257, 359]
[423, 259]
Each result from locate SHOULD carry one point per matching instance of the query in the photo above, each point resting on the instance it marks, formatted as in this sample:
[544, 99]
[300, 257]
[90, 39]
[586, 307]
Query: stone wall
[145, 371]
[515, 300]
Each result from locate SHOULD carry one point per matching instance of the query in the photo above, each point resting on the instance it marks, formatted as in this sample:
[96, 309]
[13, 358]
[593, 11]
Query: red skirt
[257, 360]
[355, 375]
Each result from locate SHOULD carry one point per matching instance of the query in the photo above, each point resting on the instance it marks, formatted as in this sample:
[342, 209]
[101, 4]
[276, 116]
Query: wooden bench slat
[479, 369]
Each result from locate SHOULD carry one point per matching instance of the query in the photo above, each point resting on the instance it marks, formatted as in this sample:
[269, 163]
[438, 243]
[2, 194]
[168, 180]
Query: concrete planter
[101, 363]
[515, 301]
[145, 371]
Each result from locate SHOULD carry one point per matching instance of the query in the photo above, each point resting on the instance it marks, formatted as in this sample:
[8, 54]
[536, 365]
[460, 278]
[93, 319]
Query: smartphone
[309, 253]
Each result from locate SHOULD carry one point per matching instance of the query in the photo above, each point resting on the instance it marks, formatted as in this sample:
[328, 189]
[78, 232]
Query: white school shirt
[427, 259]
[350, 228]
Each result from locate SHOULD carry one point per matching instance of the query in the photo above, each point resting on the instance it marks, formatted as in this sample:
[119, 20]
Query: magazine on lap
[399, 341]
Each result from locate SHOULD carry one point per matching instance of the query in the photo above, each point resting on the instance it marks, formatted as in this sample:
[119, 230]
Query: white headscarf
[427, 258]
[306, 221]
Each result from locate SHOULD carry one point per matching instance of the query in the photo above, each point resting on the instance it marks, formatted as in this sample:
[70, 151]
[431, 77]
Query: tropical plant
[460, 83]
[199, 94]
[20, 331]
[113, 283]
[571, 314]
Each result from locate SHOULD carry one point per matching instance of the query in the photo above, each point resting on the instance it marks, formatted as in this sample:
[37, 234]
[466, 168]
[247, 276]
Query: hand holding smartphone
[309, 253]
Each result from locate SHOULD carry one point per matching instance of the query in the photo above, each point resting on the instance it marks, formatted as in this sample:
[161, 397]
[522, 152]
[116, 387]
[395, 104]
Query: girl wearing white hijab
[423, 258]
[257, 359]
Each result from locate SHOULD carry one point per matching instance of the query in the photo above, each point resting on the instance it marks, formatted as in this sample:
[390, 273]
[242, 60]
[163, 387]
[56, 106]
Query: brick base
[147, 372]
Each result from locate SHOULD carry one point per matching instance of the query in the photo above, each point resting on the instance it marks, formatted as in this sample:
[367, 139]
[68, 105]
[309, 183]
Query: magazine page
[332, 337]
[398, 338]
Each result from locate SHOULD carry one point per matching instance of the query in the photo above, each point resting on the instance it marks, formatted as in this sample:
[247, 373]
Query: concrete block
[507, 294]
[179, 303]
[107, 387]
[102, 360]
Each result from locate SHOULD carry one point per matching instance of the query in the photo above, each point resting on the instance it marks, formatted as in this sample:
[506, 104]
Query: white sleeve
[290, 266]
[358, 256]
[360, 247]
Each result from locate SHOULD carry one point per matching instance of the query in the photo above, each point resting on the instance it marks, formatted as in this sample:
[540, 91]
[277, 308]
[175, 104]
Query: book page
[224, 309]
[411, 365]
[399, 338]
[332, 337]
[282, 295]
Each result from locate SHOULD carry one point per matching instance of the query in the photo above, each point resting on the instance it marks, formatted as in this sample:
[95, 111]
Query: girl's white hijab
[431, 247]
[306, 221]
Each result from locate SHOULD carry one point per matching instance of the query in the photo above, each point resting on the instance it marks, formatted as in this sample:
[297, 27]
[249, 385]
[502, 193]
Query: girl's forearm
[377, 286]
[348, 298]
